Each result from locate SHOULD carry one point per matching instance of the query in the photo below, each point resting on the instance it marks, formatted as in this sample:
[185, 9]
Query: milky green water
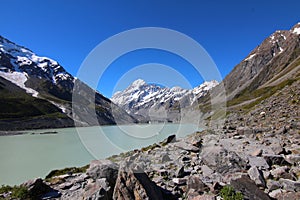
[23, 157]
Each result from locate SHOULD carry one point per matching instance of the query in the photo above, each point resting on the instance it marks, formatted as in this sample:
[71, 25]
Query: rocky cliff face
[150, 102]
[36, 92]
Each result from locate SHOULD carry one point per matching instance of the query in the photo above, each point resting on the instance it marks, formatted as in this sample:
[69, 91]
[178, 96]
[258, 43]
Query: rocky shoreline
[195, 167]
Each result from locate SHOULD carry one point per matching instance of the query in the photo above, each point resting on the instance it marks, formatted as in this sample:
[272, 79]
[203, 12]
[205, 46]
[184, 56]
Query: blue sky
[68, 30]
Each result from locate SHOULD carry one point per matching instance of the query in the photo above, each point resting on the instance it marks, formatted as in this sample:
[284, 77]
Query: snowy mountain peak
[138, 83]
[15, 58]
[140, 97]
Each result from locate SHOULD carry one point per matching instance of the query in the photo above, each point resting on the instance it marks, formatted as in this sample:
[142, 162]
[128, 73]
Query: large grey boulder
[103, 169]
[248, 188]
[257, 176]
[133, 183]
[289, 185]
[259, 162]
[221, 160]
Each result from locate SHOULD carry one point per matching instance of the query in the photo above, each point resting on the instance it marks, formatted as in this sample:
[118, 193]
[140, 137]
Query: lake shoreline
[44, 131]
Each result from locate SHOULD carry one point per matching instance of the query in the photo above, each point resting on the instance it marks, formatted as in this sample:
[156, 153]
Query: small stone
[179, 181]
[206, 171]
[237, 137]
[244, 131]
[165, 158]
[257, 152]
[275, 193]
[75, 187]
[65, 186]
[203, 197]
[180, 172]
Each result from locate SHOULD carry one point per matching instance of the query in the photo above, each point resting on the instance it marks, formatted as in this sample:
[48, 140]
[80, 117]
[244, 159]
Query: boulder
[202, 197]
[133, 183]
[273, 185]
[187, 146]
[244, 130]
[103, 169]
[256, 152]
[288, 195]
[248, 188]
[194, 182]
[37, 188]
[165, 158]
[275, 193]
[258, 162]
[222, 161]
[169, 139]
[257, 176]
[98, 190]
[292, 159]
[275, 159]
[281, 172]
[289, 185]
[206, 171]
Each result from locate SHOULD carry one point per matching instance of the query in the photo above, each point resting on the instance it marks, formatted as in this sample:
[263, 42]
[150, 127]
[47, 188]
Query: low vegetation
[259, 94]
[16, 192]
[228, 193]
[69, 170]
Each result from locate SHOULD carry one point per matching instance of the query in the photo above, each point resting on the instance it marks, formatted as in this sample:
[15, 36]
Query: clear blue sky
[67, 30]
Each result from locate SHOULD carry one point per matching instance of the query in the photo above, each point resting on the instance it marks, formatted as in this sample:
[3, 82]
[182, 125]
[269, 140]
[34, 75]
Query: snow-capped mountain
[36, 92]
[18, 63]
[140, 99]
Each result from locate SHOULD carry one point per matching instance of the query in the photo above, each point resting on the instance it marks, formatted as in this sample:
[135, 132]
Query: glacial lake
[24, 157]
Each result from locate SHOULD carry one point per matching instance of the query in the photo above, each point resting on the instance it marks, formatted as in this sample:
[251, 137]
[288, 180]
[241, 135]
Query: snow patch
[250, 57]
[19, 79]
[297, 30]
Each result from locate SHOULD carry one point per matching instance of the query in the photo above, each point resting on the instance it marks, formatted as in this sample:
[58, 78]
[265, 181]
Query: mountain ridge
[46, 80]
[142, 99]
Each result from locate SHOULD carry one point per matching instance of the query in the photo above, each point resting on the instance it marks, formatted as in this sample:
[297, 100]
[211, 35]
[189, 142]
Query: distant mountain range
[36, 92]
[150, 102]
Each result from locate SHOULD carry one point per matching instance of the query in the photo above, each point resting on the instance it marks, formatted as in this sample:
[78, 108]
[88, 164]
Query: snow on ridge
[19, 79]
[136, 96]
[296, 30]
[250, 57]
[20, 56]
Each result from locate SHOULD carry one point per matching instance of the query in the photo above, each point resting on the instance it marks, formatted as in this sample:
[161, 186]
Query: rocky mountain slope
[36, 92]
[276, 57]
[271, 66]
[150, 102]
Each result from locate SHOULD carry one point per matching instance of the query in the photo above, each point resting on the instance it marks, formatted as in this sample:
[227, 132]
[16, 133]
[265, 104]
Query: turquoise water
[28, 156]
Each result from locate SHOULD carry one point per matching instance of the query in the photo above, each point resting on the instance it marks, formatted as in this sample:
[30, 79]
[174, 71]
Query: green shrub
[228, 193]
[17, 192]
